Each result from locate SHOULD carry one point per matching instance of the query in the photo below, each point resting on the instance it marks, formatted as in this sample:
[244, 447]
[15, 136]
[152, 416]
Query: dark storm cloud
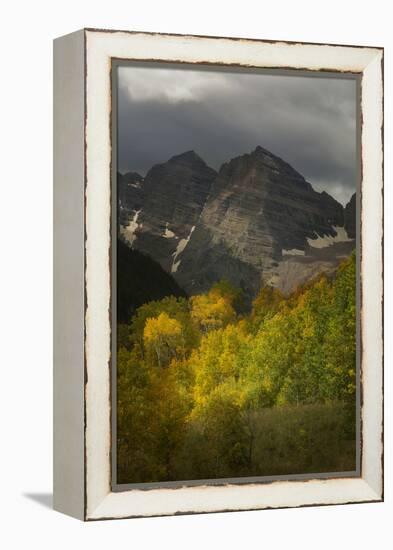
[308, 121]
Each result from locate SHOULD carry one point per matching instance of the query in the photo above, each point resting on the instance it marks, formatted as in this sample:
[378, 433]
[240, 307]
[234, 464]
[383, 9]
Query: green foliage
[265, 305]
[218, 359]
[175, 308]
[233, 294]
[205, 392]
[222, 431]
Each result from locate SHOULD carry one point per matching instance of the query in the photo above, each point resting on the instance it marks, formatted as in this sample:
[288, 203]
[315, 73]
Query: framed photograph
[218, 341]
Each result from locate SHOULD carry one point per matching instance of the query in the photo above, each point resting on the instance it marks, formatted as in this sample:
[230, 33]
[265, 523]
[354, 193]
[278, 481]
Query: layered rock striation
[161, 219]
[255, 222]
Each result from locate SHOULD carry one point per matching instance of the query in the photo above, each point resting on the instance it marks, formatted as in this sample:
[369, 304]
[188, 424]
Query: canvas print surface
[236, 274]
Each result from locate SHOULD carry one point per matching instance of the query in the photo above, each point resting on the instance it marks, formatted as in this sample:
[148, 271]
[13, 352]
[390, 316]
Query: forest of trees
[206, 389]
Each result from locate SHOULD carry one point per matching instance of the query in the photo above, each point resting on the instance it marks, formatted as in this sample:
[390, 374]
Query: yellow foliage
[163, 335]
[218, 359]
[161, 327]
[196, 383]
[212, 310]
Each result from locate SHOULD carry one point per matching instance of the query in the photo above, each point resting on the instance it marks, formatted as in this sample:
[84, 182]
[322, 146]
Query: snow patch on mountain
[327, 240]
[179, 249]
[129, 230]
[293, 252]
[168, 234]
[136, 184]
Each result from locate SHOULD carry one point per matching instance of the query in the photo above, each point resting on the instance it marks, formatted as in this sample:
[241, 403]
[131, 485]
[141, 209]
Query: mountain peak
[352, 201]
[268, 156]
[261, 150]
[266, 159]
[188, 156]
[252, 222]
[131, 177]
[350, 217]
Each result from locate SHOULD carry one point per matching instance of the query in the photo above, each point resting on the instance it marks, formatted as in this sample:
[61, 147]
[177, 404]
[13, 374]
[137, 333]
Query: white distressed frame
[100, 48]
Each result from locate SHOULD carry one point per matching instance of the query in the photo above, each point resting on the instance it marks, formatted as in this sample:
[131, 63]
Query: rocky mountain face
[257, 221]
[129, 189]
[350, 217]
[160, 219]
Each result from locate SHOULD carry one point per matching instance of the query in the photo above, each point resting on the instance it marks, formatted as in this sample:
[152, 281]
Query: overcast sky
[310, 122]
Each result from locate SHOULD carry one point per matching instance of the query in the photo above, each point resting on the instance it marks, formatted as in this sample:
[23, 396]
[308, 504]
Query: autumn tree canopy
[207, 390]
